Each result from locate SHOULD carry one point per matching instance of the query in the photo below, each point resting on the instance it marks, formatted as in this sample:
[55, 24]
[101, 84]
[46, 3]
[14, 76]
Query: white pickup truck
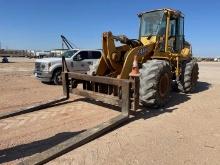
[78, 60]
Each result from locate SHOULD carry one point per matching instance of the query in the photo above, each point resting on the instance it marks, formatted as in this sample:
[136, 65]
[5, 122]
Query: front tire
[57, 78]
[190, 76]
[155, 83]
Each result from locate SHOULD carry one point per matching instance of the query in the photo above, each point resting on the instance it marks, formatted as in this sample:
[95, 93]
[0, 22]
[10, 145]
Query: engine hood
[47, 60]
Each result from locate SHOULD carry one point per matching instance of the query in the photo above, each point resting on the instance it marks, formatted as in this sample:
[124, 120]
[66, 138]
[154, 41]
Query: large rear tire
[155, 83]
[190, 76]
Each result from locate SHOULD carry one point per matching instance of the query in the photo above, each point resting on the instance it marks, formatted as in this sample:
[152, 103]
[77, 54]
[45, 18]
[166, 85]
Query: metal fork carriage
[123, 93]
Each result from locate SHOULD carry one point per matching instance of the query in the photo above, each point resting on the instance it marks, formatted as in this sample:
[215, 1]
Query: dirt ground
[186, 131]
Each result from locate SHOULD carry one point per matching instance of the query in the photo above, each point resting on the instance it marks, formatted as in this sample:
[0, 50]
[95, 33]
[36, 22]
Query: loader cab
[163, 26]
[175, 33]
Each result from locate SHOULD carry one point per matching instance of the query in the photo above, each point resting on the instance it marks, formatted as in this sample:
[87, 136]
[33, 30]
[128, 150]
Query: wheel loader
[165, 61]
[161, 52]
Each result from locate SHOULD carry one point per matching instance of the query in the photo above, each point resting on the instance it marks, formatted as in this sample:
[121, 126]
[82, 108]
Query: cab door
[83, 59]
[92, 58]
[78, 63]
[176, 35]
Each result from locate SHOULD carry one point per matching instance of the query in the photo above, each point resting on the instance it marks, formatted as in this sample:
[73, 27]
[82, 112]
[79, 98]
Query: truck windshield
[69, 53]
[151, 23]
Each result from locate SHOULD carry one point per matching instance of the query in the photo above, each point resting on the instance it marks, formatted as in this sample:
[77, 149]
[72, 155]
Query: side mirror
[77, 58]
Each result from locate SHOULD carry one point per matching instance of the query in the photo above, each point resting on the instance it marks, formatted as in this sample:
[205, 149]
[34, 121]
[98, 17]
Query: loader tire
[190, 76]
[155, 83]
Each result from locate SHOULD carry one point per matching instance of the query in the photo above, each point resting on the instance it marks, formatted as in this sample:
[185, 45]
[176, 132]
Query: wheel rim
[59, 78]
[164, 85]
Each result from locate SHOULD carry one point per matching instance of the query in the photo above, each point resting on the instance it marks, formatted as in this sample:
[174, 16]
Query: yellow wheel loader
[164, 59]
[163, 55]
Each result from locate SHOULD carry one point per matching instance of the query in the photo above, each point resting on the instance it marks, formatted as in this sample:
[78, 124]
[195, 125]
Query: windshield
[69, 53]
[151, 23]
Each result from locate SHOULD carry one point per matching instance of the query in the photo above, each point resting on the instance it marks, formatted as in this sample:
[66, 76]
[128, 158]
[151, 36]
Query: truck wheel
[190, 76]
[74, 83]
[155, 83]
[57, 78]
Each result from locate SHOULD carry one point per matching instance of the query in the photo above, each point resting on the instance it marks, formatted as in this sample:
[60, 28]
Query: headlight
[45, 66]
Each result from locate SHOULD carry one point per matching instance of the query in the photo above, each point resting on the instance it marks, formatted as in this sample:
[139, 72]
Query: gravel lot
[186, 131]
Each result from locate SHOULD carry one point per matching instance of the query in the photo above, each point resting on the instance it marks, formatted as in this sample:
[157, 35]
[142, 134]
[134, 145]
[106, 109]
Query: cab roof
[173, 11]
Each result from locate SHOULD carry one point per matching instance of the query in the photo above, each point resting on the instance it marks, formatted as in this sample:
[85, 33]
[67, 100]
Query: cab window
[88, 55]
[96, 54]
[83, 55]
[176, 34]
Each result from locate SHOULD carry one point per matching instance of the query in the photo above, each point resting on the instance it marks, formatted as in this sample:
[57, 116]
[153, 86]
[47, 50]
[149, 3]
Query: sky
[38, 24]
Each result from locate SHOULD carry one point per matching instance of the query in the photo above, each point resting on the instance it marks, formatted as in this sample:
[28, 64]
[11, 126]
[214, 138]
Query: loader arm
[118, 60]
[112, 58]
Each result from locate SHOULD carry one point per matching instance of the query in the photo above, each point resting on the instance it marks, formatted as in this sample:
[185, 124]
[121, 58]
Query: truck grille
[37, 66]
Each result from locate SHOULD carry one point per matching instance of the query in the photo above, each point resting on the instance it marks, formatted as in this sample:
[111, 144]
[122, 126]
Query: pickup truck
[78, 60]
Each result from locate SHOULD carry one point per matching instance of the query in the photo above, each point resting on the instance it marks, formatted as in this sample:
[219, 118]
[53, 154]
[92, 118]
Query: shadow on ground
[202, 86]
[30, 149]
[24, 150]
[176, 99]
